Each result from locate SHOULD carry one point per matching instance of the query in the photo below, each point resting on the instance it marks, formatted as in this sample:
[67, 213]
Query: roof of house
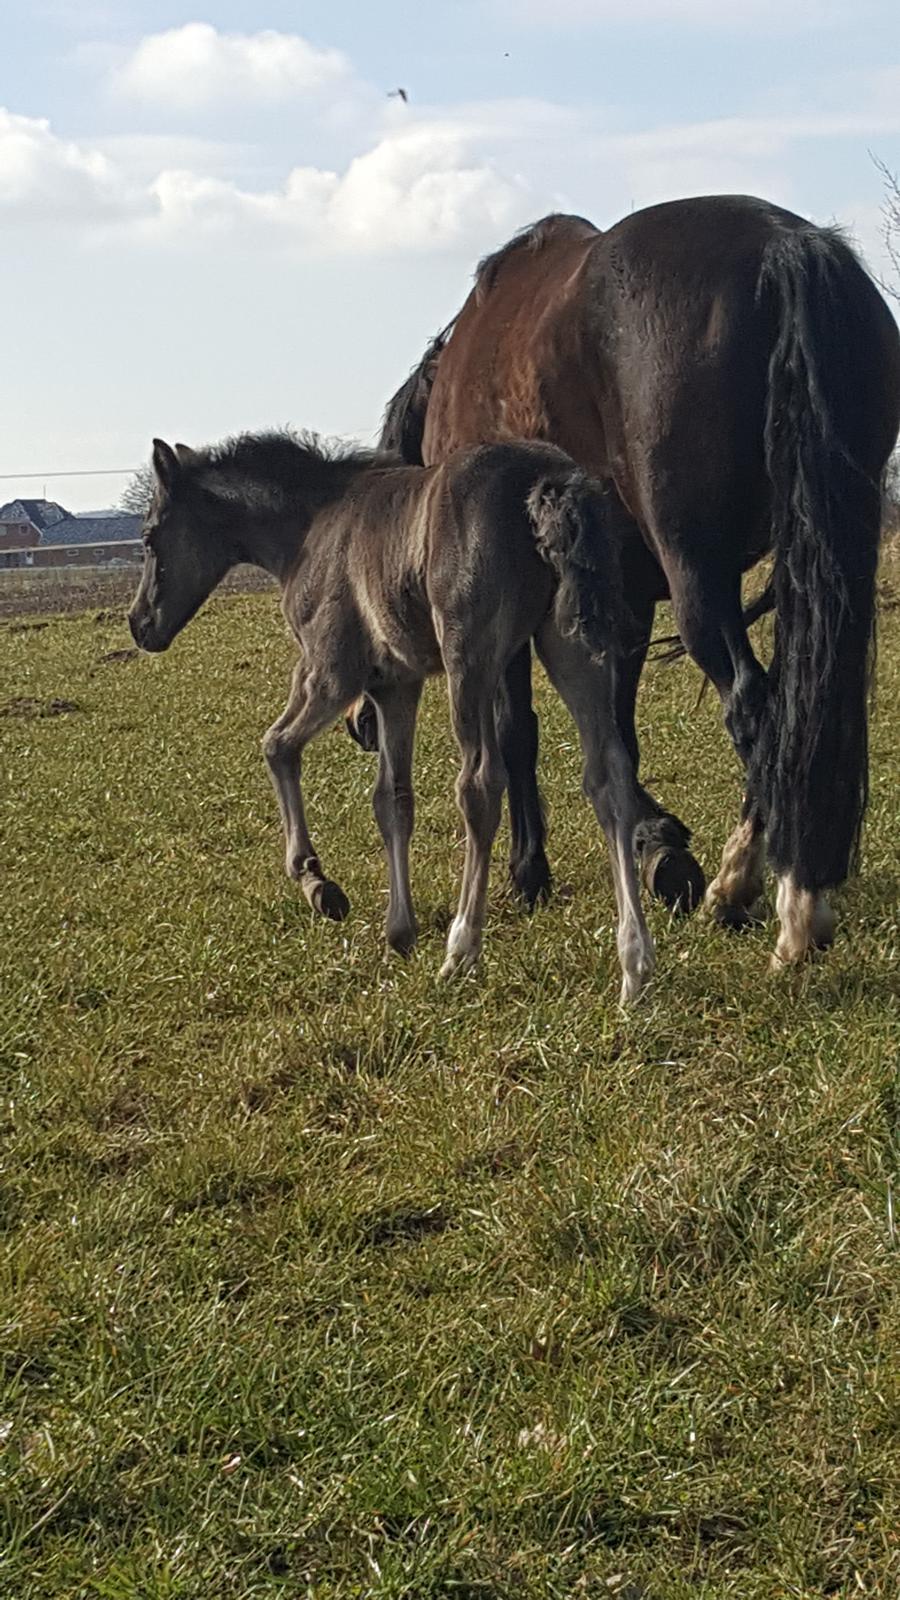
[106, 529]
[42, 513]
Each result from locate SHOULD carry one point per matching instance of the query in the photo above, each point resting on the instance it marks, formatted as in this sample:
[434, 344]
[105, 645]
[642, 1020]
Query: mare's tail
[824, 422]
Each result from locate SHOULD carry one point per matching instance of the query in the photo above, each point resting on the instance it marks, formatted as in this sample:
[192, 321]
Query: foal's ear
[186, 456]
[165, 463]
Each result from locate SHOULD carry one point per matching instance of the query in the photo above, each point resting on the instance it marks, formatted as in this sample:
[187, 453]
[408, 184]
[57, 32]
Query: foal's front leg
[392, 803]
[309, 709]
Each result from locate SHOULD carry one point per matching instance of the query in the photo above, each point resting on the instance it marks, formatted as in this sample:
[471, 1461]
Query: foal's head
[185, 549]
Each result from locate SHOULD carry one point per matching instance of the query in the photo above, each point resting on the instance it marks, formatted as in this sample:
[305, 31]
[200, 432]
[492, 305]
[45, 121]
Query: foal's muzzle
[144, 634]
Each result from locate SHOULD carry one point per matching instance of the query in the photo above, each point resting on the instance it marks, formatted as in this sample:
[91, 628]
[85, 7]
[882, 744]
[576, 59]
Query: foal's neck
[271, 523]
[270, 540]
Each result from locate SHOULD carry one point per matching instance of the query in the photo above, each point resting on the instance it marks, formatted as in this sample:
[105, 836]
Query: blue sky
[217, 218]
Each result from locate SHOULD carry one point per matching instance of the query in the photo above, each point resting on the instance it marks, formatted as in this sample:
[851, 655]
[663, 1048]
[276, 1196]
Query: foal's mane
[277, 466]
[534, 237]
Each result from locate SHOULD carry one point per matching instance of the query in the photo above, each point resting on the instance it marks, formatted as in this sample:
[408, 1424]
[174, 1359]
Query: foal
[390, 573]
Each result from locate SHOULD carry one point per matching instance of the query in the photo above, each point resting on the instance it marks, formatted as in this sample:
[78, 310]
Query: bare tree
[892, 495]
[890, 225]
[138, 491]
[890, 283]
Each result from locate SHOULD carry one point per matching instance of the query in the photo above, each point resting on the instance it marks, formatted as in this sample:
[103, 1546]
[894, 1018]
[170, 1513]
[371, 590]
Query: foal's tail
[826, 420]
[575, 537]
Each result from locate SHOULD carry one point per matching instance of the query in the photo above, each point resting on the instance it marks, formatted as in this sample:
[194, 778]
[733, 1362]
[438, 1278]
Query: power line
[79, 472]
[117, 472]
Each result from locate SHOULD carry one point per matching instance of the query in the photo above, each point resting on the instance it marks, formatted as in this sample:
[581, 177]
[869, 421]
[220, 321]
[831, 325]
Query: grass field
[323, 1279]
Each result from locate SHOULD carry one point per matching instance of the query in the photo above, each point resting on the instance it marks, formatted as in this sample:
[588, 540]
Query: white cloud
[431, 181]
[418, 189]
[422, 187]
[195, 67]
[43, 178]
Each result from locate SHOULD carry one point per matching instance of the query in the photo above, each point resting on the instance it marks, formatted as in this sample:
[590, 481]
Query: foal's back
[411, 558]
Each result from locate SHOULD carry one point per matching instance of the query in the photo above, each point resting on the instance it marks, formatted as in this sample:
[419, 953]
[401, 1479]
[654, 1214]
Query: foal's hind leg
[308, 711]
[479, 792]
[392, 803]
[517, 733]
[610, 785]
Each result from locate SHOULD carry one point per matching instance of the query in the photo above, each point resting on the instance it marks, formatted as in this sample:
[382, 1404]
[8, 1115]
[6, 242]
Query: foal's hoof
[675, 877]
[402, 939]
[632, 987]
[531, 879]
[329, 899]
[362, 725]
[458, 964]
[463, 950]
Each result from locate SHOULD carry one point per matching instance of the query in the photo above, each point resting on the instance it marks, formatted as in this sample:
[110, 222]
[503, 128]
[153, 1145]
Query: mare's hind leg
[311, 708]
[733, 896]
[669, 870]
[393, 805]
[806, 920]
[479, 792]
[611, 786]
[710, 621]
[517, 734]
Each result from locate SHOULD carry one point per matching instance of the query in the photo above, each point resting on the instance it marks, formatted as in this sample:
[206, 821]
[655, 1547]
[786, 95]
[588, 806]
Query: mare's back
[651, 335]
[684, 338]
[510, 367]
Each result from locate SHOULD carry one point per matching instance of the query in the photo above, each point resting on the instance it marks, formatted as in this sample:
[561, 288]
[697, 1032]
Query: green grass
[323, 1279]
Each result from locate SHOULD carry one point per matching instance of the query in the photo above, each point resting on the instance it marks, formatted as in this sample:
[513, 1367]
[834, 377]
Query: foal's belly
[404, 643]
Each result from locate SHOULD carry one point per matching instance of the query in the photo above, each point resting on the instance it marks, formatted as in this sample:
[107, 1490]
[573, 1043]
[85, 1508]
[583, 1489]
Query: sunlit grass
[322, 1278]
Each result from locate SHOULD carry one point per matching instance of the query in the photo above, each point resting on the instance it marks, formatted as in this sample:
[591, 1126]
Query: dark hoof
[402, 939]
[362, 725]
[735, 919]
[676, 878]
[329, 899]
[531, 879]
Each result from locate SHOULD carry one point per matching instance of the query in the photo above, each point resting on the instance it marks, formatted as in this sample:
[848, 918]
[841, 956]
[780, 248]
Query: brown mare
[732, 372]
[389, 573]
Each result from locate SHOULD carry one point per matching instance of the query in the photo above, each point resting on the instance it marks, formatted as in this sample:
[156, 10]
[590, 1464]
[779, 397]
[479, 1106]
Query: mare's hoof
[824, 926]
[531, 879]
[735, 919]
[675, 877]
[362, 725]
[329, 899]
